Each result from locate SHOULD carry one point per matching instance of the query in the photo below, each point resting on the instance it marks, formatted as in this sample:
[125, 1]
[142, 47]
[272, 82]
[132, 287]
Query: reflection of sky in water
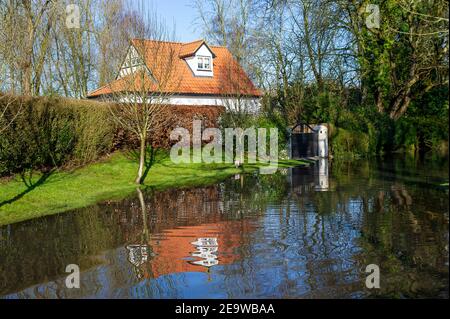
[281, 239]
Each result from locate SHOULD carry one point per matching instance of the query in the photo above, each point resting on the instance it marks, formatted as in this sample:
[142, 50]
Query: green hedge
[346, 143]
[53, 132]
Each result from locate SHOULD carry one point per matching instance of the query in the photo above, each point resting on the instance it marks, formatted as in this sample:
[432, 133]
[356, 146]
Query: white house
[200, 75]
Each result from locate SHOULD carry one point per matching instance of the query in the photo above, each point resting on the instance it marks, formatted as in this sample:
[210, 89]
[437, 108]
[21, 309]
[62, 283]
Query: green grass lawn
[111, 179]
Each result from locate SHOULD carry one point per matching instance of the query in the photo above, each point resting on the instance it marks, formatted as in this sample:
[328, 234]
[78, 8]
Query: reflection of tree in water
[138, 253]
[40, 249]
[367, 219]
[409, 242]
[404, 229]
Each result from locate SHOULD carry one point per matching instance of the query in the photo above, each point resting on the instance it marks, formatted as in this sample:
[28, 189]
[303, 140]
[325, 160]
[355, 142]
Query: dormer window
[199, 57]
[204, 63]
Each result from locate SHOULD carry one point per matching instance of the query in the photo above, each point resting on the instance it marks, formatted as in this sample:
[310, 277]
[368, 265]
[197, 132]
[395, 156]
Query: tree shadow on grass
[27, 179]
[151, 158]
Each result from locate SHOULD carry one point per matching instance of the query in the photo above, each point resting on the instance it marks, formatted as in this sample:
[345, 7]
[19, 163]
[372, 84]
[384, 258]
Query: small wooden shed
[308, 141]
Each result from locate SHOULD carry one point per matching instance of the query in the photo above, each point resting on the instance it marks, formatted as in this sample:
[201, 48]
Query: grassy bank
[112, 178]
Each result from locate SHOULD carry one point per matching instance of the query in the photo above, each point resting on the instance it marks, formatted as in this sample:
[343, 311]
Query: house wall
[227, 102]
[251, 104]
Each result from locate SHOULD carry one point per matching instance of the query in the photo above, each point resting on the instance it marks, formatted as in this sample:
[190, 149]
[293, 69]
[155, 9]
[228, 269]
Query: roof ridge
[150, 40]
[179, 42]
[199, 40]
[182, 43]
[175, 42]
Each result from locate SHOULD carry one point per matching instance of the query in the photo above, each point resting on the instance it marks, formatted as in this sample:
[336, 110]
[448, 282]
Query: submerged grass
[62, 191]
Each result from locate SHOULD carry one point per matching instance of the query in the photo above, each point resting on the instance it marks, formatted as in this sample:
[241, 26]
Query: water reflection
[307, 232]
[311, 178]
[321, 174]
[206, 250]
[137, 256]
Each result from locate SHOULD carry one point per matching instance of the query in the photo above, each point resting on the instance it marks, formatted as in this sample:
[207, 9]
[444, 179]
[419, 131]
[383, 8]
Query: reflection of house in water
[196, 248]
[207, 249]
[161, 243]
[173, 237]
[310, 178]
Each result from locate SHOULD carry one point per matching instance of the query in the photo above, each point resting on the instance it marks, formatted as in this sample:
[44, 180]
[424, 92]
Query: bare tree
[239, 94]
[240, 100]
[41, 55]
[10, 104]
[112, 38]
[228, 23]
[145, 83]
[34, 20]
[10, 107]
[71, 61]
[10, 45]
[316, 25]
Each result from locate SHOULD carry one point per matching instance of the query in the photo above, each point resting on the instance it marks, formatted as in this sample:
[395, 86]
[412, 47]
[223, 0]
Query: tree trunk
[140, 176]
[27, 63]
[402, 101]
[400, 107]
[379, 101]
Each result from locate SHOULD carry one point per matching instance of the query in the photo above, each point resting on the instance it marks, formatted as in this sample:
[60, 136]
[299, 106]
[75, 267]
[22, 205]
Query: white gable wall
[131, 64]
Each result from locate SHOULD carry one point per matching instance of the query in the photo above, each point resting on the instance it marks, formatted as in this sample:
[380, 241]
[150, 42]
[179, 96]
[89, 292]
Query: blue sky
[180, 13]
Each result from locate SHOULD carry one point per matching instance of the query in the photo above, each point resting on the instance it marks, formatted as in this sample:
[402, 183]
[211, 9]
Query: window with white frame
[204, 63]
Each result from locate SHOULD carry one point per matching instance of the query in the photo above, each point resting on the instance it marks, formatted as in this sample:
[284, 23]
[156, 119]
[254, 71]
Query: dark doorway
[304, 145]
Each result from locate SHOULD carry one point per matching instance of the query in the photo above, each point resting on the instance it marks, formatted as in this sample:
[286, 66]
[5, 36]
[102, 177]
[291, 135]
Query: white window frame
[202, 61]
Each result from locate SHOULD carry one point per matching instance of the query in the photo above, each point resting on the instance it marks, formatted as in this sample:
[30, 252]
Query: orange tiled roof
[189, 49]
[175, 76]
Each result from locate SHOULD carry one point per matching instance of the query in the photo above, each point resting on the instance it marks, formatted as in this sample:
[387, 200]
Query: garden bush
[346, 143]
[53, 132]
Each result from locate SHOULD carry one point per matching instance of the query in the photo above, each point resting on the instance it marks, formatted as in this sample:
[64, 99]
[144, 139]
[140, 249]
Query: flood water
[301, 233]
